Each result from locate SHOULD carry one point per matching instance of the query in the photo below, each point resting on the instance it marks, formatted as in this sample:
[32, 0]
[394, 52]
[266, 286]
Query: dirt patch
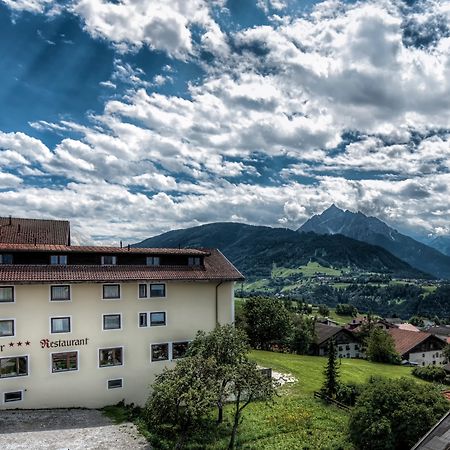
[66, 429]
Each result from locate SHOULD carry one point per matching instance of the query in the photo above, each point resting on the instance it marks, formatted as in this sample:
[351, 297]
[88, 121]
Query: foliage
[430, 373]
[344, 309]
[416, 321]
[248, 385]
[323, 310]
[227, 347]
[182, 397]
[330, 385]
[122, 412]
[302, 334]
[394, 414]
[446, 352]
[267, 322]
[348, 393]
[380, 347]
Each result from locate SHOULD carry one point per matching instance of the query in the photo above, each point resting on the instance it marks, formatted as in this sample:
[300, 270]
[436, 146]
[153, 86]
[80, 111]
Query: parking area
[66, 429]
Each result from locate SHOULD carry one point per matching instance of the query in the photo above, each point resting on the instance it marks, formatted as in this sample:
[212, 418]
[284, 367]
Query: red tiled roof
[97, 249]
[216, 267]
[29, 231]
[405, 340]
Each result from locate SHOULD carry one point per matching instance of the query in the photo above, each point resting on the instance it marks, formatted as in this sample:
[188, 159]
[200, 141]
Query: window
[6, 327]
[6, 294]
[157, 319]
[158, 290]
[143, 320]
[110, 357]
[64, 362]
[153, 261]
[111, 291]
[160, 352]
[347, 347]
[193, 261]
[114, 384]
[340, 348]
[60, 293]
[12, 396]
[112, 322]
[6, 258]
[109, 260]
[58, 260]
[16, 366]
[60, 325]
[179, 349]
[142, 291]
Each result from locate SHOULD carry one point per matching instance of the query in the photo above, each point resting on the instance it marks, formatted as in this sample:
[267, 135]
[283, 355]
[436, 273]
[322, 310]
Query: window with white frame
[143, 319]
[6, 294]
[179, 349]
[13, 366]
[111, 291]
[157, 319]
[159, 352]
[153, 261]
[60, 325]
[6, 258]
[6, 327]
[64, 362]
[115, 384]
[109, 260]
[112, 321]
[142, 290]
[15, 396]
[157, 290]
[109, 357]
[60, 293]
[58, 260]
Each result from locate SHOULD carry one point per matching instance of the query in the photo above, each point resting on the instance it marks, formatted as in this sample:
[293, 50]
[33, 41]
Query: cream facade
[82, 344]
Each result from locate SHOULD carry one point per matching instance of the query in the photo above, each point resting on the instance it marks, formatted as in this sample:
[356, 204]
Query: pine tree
[331, 373]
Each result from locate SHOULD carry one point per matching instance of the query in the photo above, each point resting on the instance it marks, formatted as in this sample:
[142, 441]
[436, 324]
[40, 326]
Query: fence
[331, 401]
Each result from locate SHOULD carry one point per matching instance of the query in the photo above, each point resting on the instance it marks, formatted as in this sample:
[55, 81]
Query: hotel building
[88, 326]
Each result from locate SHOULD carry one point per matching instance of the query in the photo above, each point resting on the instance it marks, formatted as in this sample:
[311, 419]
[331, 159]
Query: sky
[135, 117]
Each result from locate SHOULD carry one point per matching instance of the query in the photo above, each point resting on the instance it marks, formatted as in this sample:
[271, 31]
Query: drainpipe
[217, 303]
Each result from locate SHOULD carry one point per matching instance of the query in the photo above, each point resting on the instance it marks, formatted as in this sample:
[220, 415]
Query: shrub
[430, 373]
[348, 393]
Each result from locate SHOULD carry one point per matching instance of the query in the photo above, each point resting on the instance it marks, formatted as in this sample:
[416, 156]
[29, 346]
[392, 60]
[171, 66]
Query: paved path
[62, 429]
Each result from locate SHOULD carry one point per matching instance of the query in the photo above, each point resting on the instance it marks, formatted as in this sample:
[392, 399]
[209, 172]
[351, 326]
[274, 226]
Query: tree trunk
[237, 415]
[220, 413]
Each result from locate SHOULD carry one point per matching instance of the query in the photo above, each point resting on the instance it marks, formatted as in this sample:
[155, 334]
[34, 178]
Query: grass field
[295, 420]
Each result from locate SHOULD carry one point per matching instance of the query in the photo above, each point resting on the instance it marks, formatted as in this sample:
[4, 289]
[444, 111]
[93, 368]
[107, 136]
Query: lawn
[295, 420]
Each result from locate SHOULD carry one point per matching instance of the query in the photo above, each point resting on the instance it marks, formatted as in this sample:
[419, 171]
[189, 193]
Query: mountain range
[373, 231]
[256, 249]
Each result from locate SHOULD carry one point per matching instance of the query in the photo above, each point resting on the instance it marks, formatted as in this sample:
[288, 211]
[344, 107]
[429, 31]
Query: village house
[348, 345]
[418, 347]
[85, 326]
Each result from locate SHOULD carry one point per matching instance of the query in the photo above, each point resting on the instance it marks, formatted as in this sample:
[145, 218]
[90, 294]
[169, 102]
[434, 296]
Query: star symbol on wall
[11, 344]
[27, 343]
[19, 344]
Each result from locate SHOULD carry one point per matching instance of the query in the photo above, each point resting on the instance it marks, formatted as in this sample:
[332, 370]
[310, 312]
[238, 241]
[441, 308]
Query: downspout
[217, 303]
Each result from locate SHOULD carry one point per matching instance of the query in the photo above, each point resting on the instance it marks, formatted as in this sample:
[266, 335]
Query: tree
[267, 322]
[380, 347]
[182, 396]
[344, 309]
[323, 310]
[331, 383]
[302, 334]
[446, 352]
[394, 414]
[416, 321]
[248, 385]
[227, 347]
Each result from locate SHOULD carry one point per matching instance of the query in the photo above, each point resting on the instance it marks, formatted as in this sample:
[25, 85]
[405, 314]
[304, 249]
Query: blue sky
[134, 117]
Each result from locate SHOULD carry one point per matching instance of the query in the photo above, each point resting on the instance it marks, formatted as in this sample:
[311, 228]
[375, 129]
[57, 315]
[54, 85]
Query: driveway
[66, 429]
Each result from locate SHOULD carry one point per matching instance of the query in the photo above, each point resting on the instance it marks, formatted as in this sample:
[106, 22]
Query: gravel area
[66, 429]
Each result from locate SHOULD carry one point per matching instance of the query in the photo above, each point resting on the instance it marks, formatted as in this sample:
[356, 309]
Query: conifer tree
[331, 373]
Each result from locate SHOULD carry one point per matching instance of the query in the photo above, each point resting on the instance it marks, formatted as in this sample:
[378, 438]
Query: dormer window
[6, 258]
[109, 260]
[194, 261]
[58, 260]
[153, 261]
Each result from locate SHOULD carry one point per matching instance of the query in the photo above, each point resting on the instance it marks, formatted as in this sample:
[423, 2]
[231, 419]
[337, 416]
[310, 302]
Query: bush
[348, 393]
[430, 373]
[394, 414]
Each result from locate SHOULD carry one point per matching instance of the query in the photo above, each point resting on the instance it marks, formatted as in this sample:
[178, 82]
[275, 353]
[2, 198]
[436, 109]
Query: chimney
[18, 228]
[10, 220]
[128, 247]
[120, 244]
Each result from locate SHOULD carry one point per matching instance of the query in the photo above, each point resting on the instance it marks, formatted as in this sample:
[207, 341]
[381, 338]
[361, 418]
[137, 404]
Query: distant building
[328, 321]
[407, 326]
[418, 347]
[348, 345]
